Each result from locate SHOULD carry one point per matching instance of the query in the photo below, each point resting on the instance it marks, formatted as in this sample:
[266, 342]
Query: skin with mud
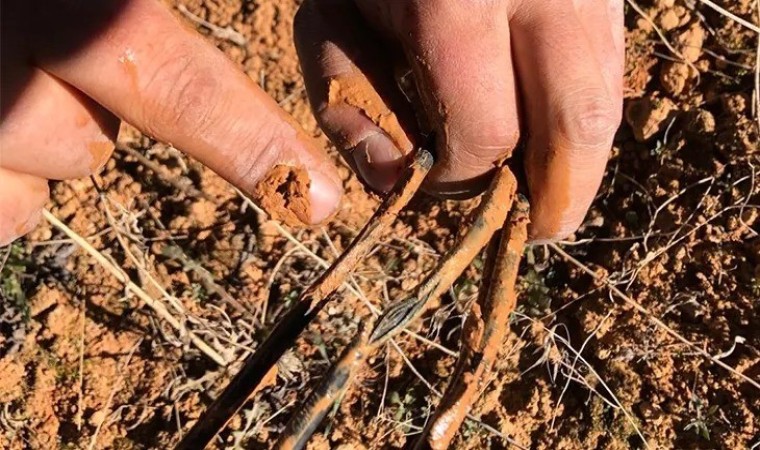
[284, 194]
[674, 226]
[489, 217]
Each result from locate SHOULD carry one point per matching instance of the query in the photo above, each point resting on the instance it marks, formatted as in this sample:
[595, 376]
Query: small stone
[690, 41]
[97, 418]
[703, 122]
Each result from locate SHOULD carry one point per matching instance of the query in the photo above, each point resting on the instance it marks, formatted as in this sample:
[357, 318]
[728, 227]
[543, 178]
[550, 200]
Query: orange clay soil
[355, 90]
[284, 194]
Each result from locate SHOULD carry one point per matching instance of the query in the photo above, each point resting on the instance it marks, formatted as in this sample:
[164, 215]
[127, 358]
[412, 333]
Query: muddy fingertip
[297, 196]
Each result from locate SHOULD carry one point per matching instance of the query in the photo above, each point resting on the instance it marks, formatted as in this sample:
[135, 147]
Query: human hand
[482, 69]
[70, 68]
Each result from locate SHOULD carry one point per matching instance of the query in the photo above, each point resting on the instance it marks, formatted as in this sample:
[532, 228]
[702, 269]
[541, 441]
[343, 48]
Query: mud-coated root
[489, 217]
[285, 332]
[483, 333]
[310, 413]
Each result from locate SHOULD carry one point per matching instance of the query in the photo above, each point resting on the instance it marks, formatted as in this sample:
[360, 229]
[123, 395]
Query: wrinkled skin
[484, 70]
[72, 69]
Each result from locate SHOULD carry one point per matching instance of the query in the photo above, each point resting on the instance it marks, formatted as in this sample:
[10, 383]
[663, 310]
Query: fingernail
[101, 151]
[378, 161]
[324, 196]
[22, 228]
[30, 224]
[538, 235]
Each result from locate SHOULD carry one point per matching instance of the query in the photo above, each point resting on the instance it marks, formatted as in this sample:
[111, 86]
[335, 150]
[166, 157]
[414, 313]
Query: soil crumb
[357, 91]
[284, 195]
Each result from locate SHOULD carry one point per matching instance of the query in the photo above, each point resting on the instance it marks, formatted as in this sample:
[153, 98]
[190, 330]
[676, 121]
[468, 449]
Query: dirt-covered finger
[77, 137]
[22, 197]
[137, 60]
[460, 55]
[602, 22]
[349, 77]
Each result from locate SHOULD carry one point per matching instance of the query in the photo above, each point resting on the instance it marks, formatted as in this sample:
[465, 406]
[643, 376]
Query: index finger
[134, 58]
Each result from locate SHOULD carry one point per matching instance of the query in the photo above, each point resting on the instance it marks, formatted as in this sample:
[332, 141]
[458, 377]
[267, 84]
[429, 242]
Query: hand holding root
[479, 349]
[483, 333]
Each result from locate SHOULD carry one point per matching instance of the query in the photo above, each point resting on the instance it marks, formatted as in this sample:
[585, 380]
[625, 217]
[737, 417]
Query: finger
[52, 131]
[134, 58]
[21, 200]
[349, 80]
[571, 114]
[602, 23]
[460, 57]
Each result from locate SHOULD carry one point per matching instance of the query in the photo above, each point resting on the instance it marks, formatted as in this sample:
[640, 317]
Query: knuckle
[484, 143]
[413, 13]
[588, 117]
[183, 94]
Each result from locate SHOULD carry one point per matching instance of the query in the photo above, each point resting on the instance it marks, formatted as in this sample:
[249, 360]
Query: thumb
[135, 58]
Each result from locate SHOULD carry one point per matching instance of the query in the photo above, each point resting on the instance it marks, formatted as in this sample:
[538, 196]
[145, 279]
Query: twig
[175, 252]
[661, 34]
[182, 184]
[80, 387]
[575, 361]
[119, 274]
[227, 33]
[593, 371]
[4, 260]
[731, 16]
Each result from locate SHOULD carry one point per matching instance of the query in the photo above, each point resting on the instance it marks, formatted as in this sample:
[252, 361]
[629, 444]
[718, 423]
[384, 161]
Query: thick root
[483, 334]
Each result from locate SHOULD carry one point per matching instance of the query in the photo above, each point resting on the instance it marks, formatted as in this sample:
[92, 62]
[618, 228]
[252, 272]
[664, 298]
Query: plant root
[309, 414]
[285, 332]
[483, 333]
